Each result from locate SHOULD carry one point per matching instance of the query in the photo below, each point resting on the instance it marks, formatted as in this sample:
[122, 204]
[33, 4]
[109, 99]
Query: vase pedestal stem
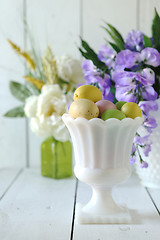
[102, 209]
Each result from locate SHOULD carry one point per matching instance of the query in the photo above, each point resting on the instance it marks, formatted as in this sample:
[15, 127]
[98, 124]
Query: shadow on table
[140, 218]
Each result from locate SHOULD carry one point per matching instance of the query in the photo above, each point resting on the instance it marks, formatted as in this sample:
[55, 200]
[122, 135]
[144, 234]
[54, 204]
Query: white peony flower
[50, 126]
[69, 69]
[42, 128]
[60, 131]
[51, 100]
[51, 105]
[30, 108]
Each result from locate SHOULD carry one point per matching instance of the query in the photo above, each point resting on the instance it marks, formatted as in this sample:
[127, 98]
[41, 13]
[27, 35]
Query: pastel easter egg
[131, 110]
[120, 104]
[88, 92]
[84, 108]
[113, 113]
[104, 105]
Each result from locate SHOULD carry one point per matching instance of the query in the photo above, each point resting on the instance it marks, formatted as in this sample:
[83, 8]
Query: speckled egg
[84, 108]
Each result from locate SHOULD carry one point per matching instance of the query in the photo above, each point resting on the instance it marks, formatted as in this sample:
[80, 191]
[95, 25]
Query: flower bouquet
[129, 70]
[45, 96]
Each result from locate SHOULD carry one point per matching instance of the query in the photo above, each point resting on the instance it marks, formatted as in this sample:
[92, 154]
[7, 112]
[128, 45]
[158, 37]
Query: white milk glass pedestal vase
[102, 153]
[150, 177]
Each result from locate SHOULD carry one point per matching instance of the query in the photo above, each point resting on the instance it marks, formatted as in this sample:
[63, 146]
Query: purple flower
[147, 106]
[133, 159]
[107, 56]
[144, 142]
[134, 41]
[104, 85]
[127, 58]
[96, 77]
[150, 123]
[144, 164]
[125, 94]
[125, 86]
[91, 73]
[132, 86]
[148, 93]
[150, 56]
[88, 66]
[149, 75]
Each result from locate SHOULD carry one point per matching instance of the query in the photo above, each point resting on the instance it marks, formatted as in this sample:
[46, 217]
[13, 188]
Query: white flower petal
[30, 108]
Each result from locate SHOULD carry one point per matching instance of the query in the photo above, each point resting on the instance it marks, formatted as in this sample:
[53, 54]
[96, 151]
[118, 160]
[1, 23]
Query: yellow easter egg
[131, 110]
[84, 108]
[88, 92]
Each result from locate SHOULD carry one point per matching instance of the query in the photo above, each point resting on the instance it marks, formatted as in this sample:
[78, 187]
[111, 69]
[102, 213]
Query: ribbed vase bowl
[102, 152]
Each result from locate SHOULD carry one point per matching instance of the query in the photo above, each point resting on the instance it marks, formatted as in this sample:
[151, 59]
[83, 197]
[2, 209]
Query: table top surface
[33, 207]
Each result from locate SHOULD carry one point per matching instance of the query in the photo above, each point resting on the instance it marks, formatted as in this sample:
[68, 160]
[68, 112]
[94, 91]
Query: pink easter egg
[104, 105]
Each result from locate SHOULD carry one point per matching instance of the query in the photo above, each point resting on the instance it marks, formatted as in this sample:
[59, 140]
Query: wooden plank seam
[11, 183]
[25, 46]
[152, 200]
[74, 208]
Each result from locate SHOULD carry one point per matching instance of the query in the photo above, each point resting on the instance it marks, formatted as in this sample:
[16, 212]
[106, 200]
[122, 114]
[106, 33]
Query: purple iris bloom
[150, 56]
[127, 58]
[107, 56]
[134, 41]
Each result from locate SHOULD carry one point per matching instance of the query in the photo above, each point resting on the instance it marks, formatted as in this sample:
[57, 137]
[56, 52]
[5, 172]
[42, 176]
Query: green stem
[141, 160]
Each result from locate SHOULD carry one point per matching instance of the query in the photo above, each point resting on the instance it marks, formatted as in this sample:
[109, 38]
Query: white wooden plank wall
[12, 131]
[58, 23]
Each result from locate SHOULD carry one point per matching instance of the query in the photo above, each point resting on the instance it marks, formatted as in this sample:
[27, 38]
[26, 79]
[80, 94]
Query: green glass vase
[56, 158]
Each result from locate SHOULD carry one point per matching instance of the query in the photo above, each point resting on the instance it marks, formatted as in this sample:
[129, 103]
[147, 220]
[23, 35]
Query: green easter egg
[120, 104]
[113, 113]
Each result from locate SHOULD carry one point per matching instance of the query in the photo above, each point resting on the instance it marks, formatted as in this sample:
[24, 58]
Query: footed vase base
[83, 217]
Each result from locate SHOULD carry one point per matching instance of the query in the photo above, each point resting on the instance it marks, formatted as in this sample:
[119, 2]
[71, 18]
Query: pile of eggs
[88, 104]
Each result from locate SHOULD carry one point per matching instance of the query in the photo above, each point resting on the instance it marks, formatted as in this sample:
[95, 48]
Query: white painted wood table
[36, 208]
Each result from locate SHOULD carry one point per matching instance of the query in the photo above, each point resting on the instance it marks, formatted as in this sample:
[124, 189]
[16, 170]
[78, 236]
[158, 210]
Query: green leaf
[15, 112]
[116, 36]
[63, 81]
[147, 41]
[114, 46]
[117, 41]
[19, 91]
[116, 33]
[88, 53]
[156, 30]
